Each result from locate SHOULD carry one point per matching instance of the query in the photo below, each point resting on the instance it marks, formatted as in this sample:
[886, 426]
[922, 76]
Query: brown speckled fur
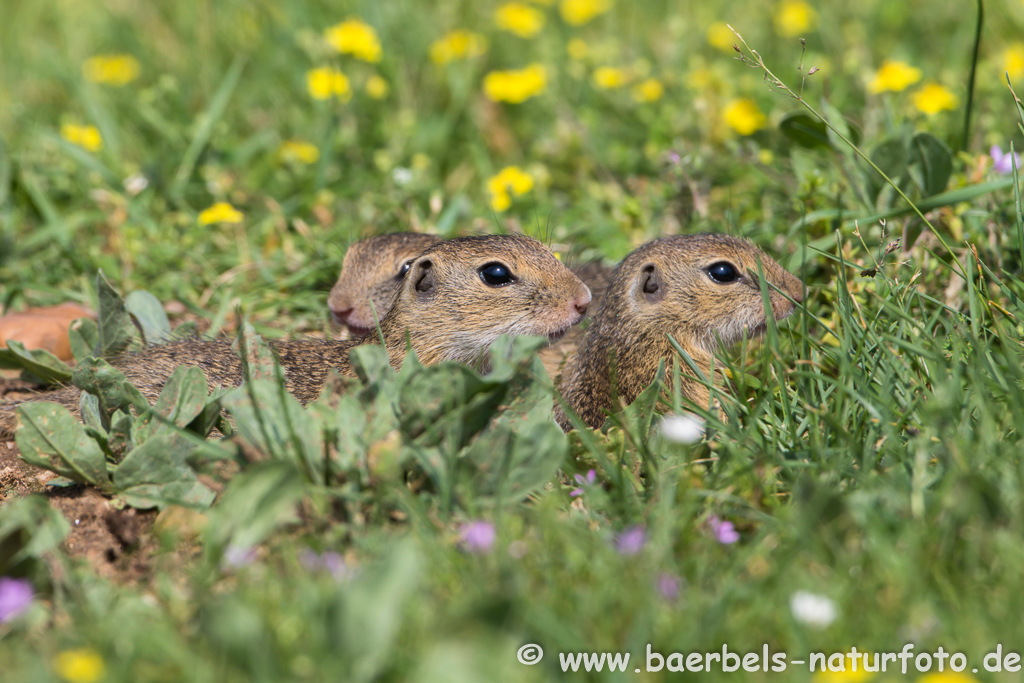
[457, 318]
[690, 306]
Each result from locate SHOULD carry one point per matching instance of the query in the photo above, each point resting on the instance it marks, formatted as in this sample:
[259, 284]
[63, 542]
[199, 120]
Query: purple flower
[631, 541]
[236, 556]
[724, 531]
[330, 562]
[15, 597]
[478, 536]
[583, 481]
[668, 586]
[1004, 162]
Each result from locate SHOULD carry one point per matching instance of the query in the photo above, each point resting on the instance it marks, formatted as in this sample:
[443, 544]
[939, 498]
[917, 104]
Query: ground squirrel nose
[582, 300]
[341, 317]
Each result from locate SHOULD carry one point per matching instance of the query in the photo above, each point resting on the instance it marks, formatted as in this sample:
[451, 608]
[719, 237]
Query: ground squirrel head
[372, 272]
[459, 296]
[700, 289]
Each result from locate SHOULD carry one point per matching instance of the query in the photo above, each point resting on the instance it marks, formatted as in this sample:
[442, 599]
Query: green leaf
[157, 474]
[182, 399]
[115, 325]
[109, 384]
[149, 317]
[272, 421]
[51, 438]
[29, 528]
[804, 130]
[258, 360]
[84, 336]
[891, 157]
[254, 504]
[39, 362]
[934, 160]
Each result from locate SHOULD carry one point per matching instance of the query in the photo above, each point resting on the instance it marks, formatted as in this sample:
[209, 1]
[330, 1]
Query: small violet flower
[668, 586]
[583, 481]
[631, 541]
[724, 531]
[15, 597]
[477, 537]
[330, 562]
[1004, 162]
[236, 556]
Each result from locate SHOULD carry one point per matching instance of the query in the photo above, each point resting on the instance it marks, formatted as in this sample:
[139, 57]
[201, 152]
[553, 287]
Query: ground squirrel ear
[423, 276]
[651, 284]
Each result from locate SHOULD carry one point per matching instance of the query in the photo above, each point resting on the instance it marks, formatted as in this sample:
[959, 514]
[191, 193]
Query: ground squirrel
[453, 302]
[371, 272]
[698, 289]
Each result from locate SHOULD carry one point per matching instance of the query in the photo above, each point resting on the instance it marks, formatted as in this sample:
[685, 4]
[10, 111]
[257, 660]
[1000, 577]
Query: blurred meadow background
[862, 488]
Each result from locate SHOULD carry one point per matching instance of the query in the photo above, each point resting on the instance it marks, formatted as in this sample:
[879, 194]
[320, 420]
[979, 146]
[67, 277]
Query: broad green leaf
[156, 474]
[258, 361]
[891, 157]
[84, 336]
[115, 326]
[182, 399]
[109, 384]
[254, 504]
[804, 130]
[38, 362]
[935, 161]
[51, 438]
[272, 421]
[149, 317]
[29, 528]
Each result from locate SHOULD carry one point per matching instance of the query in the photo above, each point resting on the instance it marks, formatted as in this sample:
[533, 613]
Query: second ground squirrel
[372, 270]
[452, 303]
[699, 289]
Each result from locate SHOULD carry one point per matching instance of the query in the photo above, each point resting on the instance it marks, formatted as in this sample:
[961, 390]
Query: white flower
[136, 183]
[682, 428]
[401, 176]
[812, 609]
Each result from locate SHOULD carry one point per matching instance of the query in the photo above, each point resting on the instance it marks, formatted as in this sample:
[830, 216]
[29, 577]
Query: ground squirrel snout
[453, 302]
[701, 289]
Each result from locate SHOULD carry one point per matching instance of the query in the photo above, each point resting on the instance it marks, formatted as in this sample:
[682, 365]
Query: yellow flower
[894, 76]
[457, 45]
[515, 85]
[795, 17]
[86, 137]
[1013, 60]
[765, 156]
[579, 12]
[650, 90]
[577, 49]
[947, 677]
[79, 666]
[111, 69]
[376, 87]
[743, 116]
[353, 37]
[933, 98]
[509, 180]
[326, 81]
[298, 151]
[608, 77]
[221, 212]
[719, 35]
[700, 78]
[523, 20]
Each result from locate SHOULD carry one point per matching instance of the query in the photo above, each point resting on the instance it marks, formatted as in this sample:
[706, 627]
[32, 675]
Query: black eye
[723, 273]
[404, 269]
[496, 274]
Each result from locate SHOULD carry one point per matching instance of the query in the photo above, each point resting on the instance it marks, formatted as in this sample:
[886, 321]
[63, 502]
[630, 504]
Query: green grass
[869, 449]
